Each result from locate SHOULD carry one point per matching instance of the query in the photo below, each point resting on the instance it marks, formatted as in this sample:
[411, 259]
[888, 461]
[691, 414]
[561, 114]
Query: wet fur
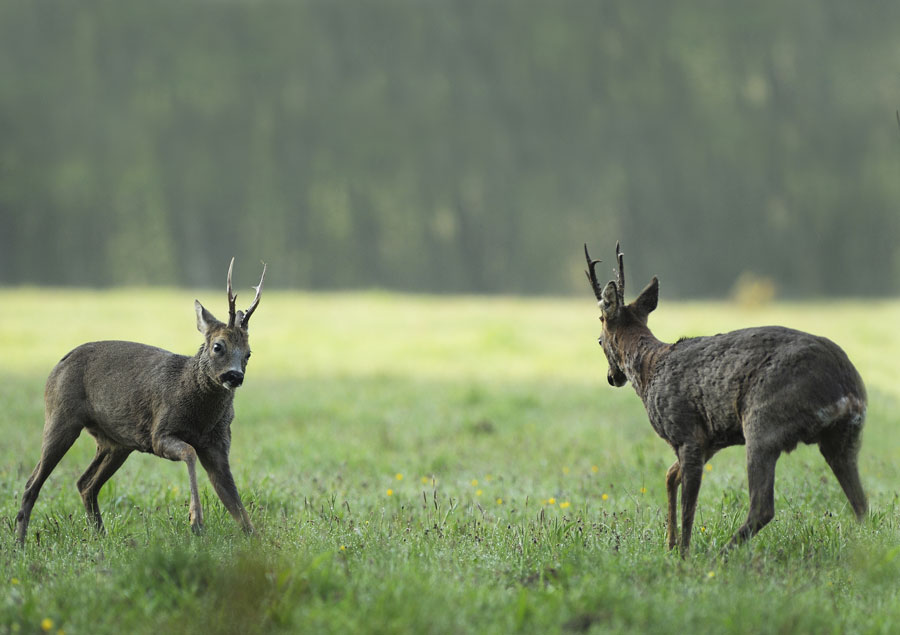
[768, 388]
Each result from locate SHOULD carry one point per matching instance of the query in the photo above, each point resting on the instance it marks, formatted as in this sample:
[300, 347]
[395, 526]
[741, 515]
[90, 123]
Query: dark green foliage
[450, 146]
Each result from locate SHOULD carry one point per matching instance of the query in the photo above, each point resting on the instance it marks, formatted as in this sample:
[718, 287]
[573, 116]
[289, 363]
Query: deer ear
[609, 303]
[648, 298]
[205, 319]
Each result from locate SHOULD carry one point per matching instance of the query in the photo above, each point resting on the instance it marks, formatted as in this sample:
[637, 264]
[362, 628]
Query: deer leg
[691, 460]
[216, 465]
[58, 438]
[673, 480]
[761, 483]
[840, 448]
[177, 450]
[83, 484]
[104, 465]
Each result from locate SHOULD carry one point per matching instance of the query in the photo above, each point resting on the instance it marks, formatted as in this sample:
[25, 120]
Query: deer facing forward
[768, 387]
[131, 396]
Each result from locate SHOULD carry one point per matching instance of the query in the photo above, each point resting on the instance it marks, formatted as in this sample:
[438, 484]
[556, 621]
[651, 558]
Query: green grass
[435, 465]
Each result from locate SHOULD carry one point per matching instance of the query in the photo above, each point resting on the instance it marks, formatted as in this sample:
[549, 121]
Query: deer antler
[231, 296]
[592, 274]
[246, 317]
[620, 275]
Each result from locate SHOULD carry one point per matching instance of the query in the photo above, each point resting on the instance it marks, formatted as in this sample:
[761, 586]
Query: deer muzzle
[616, 378]
[232, 379]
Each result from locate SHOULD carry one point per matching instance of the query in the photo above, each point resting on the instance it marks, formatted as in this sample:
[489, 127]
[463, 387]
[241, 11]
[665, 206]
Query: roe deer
[131, 396]
[768, 387]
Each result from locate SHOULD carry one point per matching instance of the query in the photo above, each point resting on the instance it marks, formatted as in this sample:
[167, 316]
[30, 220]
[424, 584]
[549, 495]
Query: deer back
[126, 390]
[796, 382]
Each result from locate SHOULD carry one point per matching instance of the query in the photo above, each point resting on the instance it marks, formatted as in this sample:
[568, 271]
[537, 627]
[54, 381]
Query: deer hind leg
[673, 480]
[104, 465]
[58, 438]
[761, 483]
[840, 448]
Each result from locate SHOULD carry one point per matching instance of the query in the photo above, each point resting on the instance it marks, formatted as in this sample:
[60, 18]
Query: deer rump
[786, 387]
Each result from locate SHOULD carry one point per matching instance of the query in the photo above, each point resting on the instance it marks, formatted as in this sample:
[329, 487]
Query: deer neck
[205, 384]
[640, 351]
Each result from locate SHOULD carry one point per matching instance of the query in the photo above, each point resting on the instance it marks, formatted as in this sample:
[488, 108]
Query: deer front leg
[215, 462]
[673, 480]
[690, 459]
[177, 450]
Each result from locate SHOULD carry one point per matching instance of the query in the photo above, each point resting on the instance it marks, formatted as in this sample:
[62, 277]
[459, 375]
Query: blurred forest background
[451, 146]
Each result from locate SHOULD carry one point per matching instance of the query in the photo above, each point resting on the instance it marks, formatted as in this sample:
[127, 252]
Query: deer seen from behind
[768, 388]
[133, 397]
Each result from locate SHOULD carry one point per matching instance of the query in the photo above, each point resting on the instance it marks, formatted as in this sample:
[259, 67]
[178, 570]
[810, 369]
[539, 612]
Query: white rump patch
[846, 408]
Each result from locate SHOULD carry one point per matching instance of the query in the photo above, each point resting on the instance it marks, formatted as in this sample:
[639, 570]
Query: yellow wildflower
[564, 504]
[605, 497]
[595, 469]
[399, 476]
[499, 501]
[478, 492]
[46, 624]
[551, 500]
[390, 492]
[474, 482]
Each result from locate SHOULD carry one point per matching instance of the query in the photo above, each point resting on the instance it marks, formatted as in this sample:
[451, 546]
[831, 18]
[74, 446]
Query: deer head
[619, 320]
[226, 349]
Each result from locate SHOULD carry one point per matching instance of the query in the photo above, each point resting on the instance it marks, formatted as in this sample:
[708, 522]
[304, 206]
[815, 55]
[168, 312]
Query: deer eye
[247, 356]
[218, 347]
[600, 341]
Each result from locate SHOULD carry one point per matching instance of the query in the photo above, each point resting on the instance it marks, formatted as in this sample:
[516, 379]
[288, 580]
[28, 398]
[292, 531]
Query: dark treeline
[452, 146]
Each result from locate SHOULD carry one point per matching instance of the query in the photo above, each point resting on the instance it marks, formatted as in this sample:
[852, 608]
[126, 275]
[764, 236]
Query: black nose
[233, 377]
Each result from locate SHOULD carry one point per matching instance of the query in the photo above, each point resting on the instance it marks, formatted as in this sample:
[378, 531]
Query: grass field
[438, 465]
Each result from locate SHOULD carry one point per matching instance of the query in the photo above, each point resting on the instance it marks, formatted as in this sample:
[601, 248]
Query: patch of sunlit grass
[427, 464]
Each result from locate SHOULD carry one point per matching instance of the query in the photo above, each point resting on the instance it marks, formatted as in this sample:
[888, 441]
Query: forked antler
[246, 319]
[592, 274]
[242, 318]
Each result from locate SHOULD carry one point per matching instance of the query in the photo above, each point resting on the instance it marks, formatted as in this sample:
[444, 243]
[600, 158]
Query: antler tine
[246, 319]
[231, 296]
[591, 273]
[620, 275]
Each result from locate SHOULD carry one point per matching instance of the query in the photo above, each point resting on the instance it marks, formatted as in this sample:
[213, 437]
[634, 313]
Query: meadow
[438, 465]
